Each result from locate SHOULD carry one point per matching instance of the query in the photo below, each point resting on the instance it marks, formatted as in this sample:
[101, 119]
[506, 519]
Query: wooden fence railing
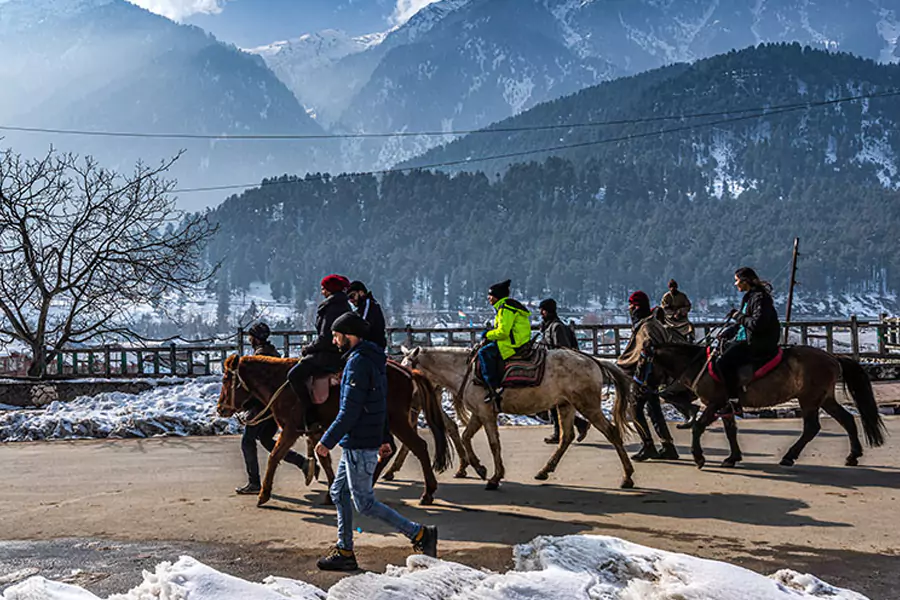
[859, 339]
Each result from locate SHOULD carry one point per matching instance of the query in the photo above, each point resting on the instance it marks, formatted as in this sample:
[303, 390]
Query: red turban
[335, 283]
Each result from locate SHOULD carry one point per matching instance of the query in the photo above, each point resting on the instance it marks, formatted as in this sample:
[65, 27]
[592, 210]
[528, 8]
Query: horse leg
[706, 418]
[731, 433]
[566, 416]
[493, 435]
[471, 429]
[593, 413]
[811, 428]
[324, 462]
[397, 464]
[286, 440]
[410, 438]
[843, 416]
[453, 431]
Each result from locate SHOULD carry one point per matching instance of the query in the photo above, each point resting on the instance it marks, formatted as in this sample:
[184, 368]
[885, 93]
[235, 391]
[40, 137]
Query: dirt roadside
[112, 508]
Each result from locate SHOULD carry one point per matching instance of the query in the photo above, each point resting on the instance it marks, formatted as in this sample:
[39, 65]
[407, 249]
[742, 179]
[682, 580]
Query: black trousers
[737, 356]
[311, 366]
[554, 418]
[652, 404]
[264, 433]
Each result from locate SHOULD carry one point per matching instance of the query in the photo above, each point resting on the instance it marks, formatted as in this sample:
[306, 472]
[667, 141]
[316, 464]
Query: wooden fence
[863, 340]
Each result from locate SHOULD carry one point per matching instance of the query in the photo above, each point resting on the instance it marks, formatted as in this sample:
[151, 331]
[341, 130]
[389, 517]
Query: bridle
[236, 382]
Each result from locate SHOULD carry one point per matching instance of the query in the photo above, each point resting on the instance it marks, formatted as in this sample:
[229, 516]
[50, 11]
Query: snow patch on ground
[179, 410]
[580, 567]
[878, 152]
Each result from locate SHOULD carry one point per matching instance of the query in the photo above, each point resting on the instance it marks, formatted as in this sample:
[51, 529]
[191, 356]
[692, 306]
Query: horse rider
[647, 324]
[321, 357]
[556, 334]
[361, 428]
[754, 338]
[367, 308]
[265, 431]
[677, 305]
[512, 330]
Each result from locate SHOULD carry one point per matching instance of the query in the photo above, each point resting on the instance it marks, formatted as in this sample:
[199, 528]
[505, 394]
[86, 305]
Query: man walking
[556, 334]
[265, 431]
[361, 428]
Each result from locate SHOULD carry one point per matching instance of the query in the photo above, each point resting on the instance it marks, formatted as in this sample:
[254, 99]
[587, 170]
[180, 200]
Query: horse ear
[404, 350]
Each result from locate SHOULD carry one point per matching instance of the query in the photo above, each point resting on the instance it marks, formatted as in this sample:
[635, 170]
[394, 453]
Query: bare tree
[80, 246]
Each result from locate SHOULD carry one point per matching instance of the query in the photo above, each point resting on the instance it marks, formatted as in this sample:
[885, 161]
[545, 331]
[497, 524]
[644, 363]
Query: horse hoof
[731, 461]
[426, 501]
[388, 477]
[627, 484]
[327, 501]
[852, 461]
[700, 462]
[787, 462]
[542, 476]
[492, 486]
[461, 474]
[263, 498]
[482, 472]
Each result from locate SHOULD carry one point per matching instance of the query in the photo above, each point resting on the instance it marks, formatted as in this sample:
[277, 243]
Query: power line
[467, 161]
[403, 134]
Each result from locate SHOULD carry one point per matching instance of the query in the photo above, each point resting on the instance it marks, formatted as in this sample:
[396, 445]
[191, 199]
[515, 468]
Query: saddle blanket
[525, 368]
[758, 374]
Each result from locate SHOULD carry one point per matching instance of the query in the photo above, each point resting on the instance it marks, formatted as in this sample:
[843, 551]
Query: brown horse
[261, 377]
[805, 373]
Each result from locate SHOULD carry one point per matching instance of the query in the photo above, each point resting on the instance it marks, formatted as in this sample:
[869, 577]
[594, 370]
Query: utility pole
[790, 301]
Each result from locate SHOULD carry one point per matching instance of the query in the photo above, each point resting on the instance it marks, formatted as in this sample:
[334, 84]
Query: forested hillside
[606, 219]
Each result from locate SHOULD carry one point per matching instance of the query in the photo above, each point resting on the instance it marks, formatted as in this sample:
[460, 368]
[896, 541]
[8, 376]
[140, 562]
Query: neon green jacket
[512, 327]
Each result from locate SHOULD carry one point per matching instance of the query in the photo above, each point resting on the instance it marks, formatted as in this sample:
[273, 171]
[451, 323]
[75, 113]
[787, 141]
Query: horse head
[410, 357]
[235, 393]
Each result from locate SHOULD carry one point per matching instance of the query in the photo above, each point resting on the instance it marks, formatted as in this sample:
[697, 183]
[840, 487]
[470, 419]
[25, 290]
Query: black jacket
[557, 335]
[329, 310]
[760, 320]
[371, 311]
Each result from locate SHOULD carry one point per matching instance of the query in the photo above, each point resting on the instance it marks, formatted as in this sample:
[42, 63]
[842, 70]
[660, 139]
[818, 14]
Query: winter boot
[668, 451]
[647, 452]
[338, 560]
[426, 541]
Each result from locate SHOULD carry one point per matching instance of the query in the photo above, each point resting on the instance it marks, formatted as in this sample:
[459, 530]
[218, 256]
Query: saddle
[747, 374]
[525, 368]
[320, 386]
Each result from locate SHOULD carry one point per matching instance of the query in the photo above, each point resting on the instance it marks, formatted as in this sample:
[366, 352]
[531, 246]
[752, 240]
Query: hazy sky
[249, 23]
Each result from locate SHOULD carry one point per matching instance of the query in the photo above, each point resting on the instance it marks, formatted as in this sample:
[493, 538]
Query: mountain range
[464, 64]
[601, 220]
[107, 65]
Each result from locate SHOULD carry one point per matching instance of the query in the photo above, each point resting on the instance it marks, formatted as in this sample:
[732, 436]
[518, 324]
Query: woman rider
[756, 333]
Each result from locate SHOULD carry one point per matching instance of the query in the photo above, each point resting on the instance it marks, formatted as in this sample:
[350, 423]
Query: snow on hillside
[579, 567]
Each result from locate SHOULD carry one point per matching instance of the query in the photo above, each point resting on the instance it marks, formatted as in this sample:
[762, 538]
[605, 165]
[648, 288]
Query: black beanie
[549, 305]
[500, 290]
[351, 324]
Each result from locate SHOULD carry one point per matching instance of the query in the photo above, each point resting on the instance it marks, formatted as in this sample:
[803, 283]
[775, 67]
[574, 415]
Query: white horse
[571, 381]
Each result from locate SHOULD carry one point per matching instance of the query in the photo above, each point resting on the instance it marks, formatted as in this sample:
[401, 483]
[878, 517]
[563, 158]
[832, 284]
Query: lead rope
[257, 419]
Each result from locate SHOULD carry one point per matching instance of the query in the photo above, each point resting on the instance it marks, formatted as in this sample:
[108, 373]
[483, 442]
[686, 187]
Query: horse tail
[434, 416]
[622, 405]
[857, 382]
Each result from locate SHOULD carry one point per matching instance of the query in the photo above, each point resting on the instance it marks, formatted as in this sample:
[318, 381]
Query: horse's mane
[232, 361]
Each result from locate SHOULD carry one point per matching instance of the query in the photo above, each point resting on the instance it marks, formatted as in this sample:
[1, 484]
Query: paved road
[112, 508]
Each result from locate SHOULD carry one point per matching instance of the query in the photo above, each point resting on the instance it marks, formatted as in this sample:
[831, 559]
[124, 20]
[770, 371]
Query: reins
[266, 412]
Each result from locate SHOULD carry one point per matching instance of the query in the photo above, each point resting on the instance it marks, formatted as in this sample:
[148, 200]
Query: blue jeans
[491, 365]
[353, 482]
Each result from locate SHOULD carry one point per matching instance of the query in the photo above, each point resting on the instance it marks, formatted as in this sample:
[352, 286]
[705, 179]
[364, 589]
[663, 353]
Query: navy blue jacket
[362, 421]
